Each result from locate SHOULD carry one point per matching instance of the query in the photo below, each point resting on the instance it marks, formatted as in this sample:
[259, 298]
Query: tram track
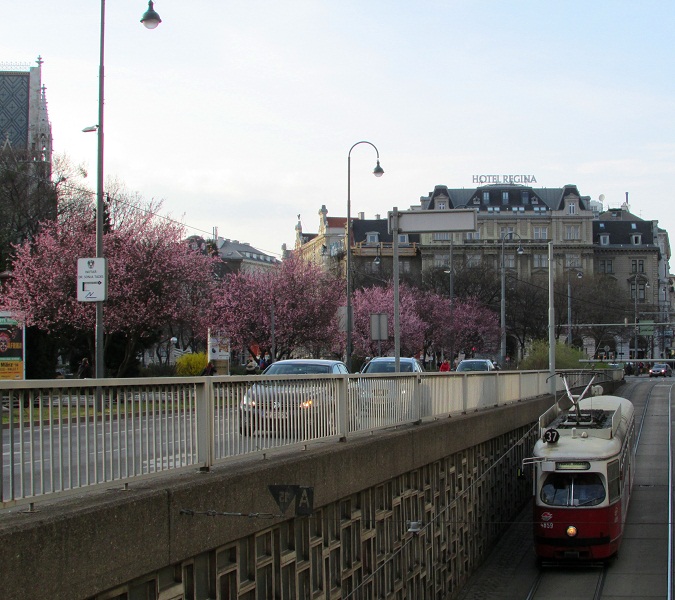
[515, 567]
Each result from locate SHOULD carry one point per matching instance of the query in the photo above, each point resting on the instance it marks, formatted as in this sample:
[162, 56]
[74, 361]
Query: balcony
[365, 250]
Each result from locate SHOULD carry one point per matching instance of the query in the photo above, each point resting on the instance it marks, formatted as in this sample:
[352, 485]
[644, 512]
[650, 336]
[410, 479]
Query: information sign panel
[92, 279]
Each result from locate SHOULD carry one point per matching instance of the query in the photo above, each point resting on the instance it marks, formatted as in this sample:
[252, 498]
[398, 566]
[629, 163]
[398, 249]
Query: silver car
[475, 365]
[289, 404]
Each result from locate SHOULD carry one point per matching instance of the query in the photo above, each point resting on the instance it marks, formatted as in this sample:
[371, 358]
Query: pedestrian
[209, 369]
[251, 366]
[445, 365]
[84, 370]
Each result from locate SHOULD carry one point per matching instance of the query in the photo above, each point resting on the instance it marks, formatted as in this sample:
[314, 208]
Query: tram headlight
[571, 531]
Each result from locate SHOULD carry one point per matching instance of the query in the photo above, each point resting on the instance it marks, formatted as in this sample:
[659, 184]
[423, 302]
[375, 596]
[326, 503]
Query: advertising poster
[11, 348]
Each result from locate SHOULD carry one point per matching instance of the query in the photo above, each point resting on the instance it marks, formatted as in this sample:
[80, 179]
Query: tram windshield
[573, 489]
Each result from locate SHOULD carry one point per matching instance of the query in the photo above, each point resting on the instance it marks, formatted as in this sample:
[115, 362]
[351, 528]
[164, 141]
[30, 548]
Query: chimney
[362, 216]
[377, 217]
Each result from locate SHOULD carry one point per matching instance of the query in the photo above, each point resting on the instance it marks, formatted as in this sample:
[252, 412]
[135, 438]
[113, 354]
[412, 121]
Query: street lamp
[520, 251]
[636, 279]
[569, 304]
[150, 19]
[378, 172]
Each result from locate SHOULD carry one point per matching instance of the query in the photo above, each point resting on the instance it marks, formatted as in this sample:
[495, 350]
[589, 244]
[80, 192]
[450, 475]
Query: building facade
[515, 224]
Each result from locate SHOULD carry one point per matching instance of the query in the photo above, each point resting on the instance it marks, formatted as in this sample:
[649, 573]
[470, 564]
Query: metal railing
[61, 436]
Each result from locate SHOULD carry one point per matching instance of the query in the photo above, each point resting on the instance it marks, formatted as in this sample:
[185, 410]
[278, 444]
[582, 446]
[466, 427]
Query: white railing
[61, 436]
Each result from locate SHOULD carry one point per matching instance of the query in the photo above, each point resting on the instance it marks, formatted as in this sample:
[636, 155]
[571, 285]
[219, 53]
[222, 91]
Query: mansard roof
[620, 224]
[519, 195]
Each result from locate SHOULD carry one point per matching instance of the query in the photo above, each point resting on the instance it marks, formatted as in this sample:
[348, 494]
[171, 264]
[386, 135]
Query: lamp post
[636, 280]
[150, 19]
[503, 295]
[569, 304]
[378, 172]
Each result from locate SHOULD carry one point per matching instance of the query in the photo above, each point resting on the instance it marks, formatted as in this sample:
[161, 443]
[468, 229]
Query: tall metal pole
[378, 172]
[98, 335]
[502, 322]
[551, 323]
[397, 311]
[569, 310]
[635, 351]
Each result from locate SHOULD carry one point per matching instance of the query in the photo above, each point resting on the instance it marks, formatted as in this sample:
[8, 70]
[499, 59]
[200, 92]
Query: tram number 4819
[551, 436]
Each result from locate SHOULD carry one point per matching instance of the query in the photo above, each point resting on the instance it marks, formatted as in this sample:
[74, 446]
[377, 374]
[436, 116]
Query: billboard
[11, 348]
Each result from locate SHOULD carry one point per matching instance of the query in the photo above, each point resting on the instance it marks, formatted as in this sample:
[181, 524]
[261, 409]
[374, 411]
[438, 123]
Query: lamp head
[376, 262]
[579, 274]
[150, 18]
[520, 249]
[378, 171]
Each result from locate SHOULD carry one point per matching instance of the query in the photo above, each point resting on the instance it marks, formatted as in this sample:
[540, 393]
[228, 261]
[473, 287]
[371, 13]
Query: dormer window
[604, 240]
[486, 197]
[505, 197]
[372, 238]
[525, 197]
[403, 238]
[442, 205]
[571, 209]
[636, 239]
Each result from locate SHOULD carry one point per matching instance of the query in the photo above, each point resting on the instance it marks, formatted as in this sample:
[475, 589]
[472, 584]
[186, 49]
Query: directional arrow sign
[92, 279]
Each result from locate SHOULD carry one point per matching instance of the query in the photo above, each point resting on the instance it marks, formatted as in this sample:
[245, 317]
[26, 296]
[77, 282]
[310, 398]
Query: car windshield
[659, 367]
[387, 366]
[473, 365]
[296, 369]
[583, 489]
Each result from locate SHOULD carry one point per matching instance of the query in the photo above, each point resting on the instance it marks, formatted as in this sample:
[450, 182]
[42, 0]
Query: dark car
[661, 370]
[475, 364]
[289, 404]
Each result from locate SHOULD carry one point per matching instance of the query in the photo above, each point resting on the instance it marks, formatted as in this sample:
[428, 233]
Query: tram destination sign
[482, 179]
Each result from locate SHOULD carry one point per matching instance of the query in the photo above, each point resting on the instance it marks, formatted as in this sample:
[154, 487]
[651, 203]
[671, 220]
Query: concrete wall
[82, 546]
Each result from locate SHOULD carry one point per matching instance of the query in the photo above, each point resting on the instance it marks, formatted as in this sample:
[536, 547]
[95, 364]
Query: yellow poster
[11, 348]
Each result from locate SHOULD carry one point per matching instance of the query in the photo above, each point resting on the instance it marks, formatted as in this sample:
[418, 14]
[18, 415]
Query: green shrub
[191, 365]
[565, 357]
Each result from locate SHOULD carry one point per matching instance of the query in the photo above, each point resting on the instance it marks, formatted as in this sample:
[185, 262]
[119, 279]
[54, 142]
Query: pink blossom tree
[154, 280]
[381, 300]
[300, 298]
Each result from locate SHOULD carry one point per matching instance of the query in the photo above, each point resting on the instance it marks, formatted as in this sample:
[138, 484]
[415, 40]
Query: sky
[240, 114]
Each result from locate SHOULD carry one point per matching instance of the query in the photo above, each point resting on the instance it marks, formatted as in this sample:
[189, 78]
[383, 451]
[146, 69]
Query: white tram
[583, 475]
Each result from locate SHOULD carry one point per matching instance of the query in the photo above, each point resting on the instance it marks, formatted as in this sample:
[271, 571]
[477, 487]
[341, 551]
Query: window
[573, 261]
[505, 197]
[509, 261]
[441, 236]
[442, 205]
[404, 266]
[540, 261]
[372, 237]
[614, 480]
[637, 266]
[636, 239]
[604, 240]
[572, 232]
[403, 238]
[641, 288]
[606, 266]
[486, 197]
[472, 235]
[472, 260]
[440, 260]
[506, 232]
[525, 197]
[567, 489]
[571, 208]
[541, 233]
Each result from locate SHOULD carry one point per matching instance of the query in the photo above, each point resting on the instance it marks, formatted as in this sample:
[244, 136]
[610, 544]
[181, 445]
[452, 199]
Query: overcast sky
[240, 113]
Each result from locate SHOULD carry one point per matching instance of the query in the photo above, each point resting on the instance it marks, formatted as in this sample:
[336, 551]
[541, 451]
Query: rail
[64, 436]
